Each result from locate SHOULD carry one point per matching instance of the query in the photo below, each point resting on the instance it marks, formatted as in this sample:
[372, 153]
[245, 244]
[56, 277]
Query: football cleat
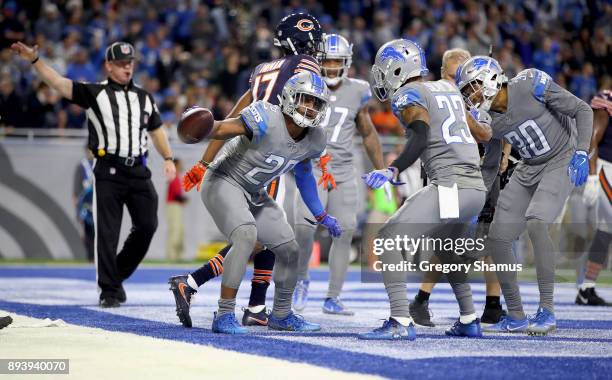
[507, 324]
[589, 297]
[5, 321]
[254, 319]
[390, 330]
[471, 330]
[121, 296]
[182, 297]
[492, 316]
[420, 313]
[109, 302]
[227, 324]
[300, 295]
[542, 322]
[292, 322]
[335, 306]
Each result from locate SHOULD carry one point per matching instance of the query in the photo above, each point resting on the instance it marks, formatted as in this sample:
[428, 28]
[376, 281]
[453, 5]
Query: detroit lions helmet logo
[391, 53]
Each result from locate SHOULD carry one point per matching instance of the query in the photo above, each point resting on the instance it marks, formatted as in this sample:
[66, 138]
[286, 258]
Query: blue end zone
[562, 356]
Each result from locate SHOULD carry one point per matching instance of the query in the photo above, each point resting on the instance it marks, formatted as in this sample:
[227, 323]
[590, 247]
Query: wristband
[169, 158]
[206, 164]
[35, 60]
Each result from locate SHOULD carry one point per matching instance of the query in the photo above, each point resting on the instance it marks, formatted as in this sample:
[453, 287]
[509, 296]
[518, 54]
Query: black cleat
[108, 302]
[5, 321]
[589, 297]
[121, 297]
[182, 297]
[420, 313]
[254, 319]
[491, 316]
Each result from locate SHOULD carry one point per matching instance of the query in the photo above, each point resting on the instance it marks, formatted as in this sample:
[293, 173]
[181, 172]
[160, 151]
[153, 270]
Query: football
[195, 124]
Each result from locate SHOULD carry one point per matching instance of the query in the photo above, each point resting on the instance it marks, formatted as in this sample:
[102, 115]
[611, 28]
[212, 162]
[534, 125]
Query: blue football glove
[578, 169]
[377, 178]
[330, 223]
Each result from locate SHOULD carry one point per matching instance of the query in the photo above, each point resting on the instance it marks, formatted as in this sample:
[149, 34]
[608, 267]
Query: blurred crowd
[202, 52]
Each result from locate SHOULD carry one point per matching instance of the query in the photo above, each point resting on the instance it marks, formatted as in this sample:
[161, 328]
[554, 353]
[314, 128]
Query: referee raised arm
[118, 115]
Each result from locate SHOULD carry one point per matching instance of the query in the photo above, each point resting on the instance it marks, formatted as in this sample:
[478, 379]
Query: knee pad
[536, 227]
[287, 252]
[244, 236]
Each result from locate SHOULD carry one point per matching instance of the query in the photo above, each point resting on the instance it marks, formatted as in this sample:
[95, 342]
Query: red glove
[194, 176]
[326, 178]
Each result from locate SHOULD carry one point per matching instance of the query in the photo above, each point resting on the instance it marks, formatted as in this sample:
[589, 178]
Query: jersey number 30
[531, 141]
[460, 133]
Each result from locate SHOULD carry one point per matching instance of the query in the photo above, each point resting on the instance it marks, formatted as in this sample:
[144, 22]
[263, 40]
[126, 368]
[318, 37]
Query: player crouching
[266, 142]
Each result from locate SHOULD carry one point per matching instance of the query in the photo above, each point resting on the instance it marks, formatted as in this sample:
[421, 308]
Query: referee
[120, 117]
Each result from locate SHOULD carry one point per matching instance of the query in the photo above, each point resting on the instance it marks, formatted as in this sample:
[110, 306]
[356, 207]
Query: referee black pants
[117, 185]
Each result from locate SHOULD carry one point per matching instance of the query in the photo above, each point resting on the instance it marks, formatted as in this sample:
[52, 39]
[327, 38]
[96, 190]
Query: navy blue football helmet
[299, 33]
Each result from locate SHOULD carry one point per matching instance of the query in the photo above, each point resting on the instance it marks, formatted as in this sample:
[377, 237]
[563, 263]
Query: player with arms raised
[539, 118]
[437, 131]
[347, 114]
[300, 39]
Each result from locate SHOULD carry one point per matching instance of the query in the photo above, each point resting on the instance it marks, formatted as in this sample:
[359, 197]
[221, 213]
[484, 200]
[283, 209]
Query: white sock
[587, 284]
[257, 308]
[192, 283]
[467, 319]
[404, 321]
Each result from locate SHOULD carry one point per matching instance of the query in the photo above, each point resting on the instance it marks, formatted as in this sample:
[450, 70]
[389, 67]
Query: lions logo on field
[305, 25]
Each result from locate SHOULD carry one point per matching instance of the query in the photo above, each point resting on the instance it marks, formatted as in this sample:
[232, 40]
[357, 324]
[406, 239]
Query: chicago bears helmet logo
[305, 25]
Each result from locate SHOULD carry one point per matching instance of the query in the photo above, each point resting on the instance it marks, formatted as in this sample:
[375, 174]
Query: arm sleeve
[84, 94]
[416, 136]
[155, 119]
[307, 185]
[490, 162]
[559, 99]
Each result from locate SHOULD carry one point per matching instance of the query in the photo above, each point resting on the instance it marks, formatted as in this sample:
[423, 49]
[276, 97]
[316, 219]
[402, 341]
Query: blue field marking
[586, 344]
[460, 367]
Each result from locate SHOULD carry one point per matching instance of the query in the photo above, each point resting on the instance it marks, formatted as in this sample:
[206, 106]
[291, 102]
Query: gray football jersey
[539, 132]
[451, 155]
[253, 163]
[340, 125]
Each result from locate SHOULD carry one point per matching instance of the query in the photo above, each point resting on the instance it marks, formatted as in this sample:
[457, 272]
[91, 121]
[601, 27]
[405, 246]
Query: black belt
[126, 161]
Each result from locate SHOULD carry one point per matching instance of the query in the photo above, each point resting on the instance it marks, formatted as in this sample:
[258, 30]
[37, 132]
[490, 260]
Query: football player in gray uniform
[419, 307]
[347, 114]
[437, 132]
[266, 142]
[551, 128]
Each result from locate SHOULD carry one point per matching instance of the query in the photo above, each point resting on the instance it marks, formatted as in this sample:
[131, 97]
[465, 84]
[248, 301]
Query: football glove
[194, 176]
[578, 169]
[327, 179]
[377, 178]
[330, 223]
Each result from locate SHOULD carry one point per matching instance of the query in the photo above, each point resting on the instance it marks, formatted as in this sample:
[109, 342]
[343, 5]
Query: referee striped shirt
[118, 117]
